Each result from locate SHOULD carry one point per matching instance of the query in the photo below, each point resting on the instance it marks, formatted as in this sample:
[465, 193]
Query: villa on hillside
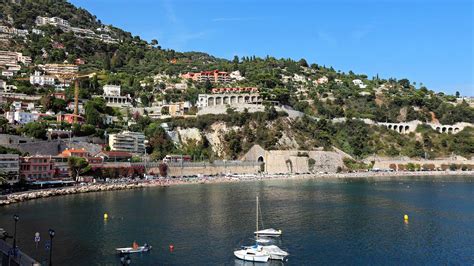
[215, 76]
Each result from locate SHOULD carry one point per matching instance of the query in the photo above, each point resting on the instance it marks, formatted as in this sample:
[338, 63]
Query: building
[114, 156]
[235, 90]
[177, 109]
[111, 90]
[74, 153]
[20, 117]
[173, 158]
[10, 167]
[37, 167]
[59, 95]
[60, 69]
[42, 80]
[3, 84]
[215, 76]
[205, 100]
[359, 83]
[322, 80]
[55, 21]
[70, 118]
[127, 141]
[114, 99]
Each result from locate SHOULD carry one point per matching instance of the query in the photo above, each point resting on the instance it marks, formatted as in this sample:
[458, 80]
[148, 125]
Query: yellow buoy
[106, 216]
[405, 217]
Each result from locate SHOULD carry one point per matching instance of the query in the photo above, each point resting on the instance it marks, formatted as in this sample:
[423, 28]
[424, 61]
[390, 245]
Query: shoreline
[376, 176]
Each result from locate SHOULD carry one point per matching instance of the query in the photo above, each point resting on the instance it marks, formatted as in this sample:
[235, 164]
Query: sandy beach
[97, 187]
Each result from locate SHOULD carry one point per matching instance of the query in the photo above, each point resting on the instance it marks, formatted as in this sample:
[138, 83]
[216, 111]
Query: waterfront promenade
[164, 182]
[7, 258]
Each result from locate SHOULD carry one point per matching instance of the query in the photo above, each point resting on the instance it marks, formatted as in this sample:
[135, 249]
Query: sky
[426, 41]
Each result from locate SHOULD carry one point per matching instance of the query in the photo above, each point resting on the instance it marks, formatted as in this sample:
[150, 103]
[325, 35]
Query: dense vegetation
[132, 63]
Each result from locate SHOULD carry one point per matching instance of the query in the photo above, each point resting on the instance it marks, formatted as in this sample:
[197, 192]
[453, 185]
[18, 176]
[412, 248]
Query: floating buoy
[171, 248]
[405, 217]
[106, 216]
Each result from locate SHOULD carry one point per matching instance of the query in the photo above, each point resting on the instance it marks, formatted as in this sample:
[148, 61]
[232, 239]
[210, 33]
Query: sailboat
[259, 252]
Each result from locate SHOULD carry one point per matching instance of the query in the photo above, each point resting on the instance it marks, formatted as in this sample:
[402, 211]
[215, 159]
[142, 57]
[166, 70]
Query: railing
[7, 256]
[200, 164]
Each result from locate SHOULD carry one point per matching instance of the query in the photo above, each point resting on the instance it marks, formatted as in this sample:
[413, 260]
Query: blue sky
[428, 41]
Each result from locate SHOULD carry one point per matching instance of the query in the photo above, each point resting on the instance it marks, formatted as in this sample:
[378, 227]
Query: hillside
[151, 75]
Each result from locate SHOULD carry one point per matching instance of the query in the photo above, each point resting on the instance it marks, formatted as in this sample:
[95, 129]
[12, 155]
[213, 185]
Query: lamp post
[51, 235]
[15, 218]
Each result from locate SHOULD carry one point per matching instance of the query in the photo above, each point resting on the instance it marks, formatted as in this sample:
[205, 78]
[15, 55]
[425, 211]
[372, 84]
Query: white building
[322, 80]
[55, 21]
[359, 83]
[206, 100]
[3, 84]
[20, 117]
[235, 75]
[111, 90]
[114, 99]
[127, 141]
[42, 80]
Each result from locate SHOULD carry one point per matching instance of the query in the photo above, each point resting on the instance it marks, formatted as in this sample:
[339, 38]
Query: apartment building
[10, 166]
[60, 69]
[127, 141]
[20, 117]
[37, 167]
[215, 76]
[55, 21]
[43, 80]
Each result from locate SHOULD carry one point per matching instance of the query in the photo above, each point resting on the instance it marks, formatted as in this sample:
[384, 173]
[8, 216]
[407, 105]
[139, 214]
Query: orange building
[74, 153]
[69, 118]
[215, 76]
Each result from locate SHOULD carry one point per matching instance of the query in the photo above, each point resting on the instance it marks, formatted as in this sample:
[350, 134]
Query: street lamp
[51, 235]
[15, 218]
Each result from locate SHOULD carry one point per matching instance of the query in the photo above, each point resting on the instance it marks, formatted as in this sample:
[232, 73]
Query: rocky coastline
[98, 187]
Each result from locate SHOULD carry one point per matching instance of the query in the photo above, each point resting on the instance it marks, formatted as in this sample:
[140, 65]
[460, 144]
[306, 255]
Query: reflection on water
[323, 222]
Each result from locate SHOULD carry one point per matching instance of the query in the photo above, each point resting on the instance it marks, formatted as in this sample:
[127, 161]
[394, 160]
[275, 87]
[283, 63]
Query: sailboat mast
[257, 216]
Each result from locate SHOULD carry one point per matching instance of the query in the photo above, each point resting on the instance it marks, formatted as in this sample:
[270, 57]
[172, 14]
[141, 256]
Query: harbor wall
[206, 168]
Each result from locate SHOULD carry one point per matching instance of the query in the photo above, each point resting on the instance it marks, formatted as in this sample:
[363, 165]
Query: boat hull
[256, 257]
[132, 250]
[268, 233]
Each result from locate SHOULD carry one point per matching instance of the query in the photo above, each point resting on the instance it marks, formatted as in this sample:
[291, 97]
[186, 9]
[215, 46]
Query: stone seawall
[205, 169]
[37, 194]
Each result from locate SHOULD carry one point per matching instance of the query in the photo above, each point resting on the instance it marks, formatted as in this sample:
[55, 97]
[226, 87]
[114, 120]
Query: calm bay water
[323, 222]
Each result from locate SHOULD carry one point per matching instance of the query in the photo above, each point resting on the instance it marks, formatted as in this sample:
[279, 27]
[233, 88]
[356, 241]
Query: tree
[163, 167]
[35, 130]
[303, 62]
[78, 166]
[458, 94]
[165, 110]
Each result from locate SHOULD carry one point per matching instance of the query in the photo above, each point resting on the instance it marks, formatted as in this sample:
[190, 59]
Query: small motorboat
[135, 249]
[269, 232]
[251, 254]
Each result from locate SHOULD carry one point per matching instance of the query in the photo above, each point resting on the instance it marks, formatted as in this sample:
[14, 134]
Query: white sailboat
[261, 253]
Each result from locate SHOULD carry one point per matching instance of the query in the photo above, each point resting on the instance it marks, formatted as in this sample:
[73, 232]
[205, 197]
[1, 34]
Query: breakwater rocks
[44, 193]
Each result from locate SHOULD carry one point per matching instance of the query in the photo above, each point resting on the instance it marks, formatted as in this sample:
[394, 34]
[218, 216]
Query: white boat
[252, 255]
[129, 250]
[269, 232]
[259, 252]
